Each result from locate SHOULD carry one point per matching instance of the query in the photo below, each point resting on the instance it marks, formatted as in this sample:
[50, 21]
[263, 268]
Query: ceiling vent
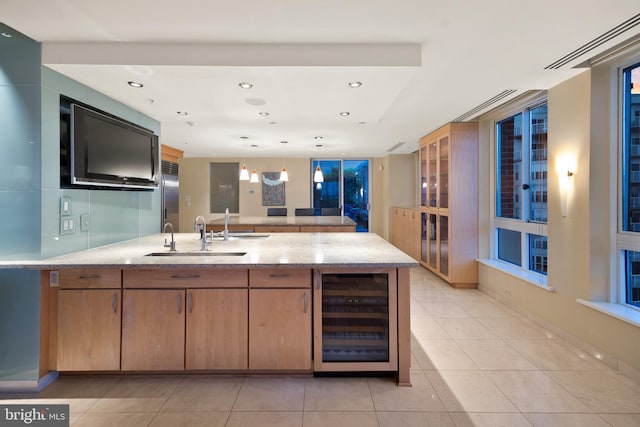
[395, 147]
[593, 44]
[476, 110]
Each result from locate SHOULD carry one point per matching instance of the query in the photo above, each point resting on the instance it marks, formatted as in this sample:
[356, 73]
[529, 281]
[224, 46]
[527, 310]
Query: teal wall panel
[18, 54]
[19, 324]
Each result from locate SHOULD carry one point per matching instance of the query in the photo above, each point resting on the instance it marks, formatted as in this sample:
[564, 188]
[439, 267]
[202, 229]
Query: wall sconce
[565, 187]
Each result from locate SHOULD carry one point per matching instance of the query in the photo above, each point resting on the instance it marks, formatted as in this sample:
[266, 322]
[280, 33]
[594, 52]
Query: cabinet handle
[179, 303]
[91, 276]
[114, 300]
[185, 276]
[278, 276]
[190, 302]
[305, 303]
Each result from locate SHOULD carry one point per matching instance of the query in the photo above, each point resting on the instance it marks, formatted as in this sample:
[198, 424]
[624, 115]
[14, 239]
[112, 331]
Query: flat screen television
[105, 151]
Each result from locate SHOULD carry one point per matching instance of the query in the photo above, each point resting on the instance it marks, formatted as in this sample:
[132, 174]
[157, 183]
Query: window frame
[524, 226]
[624, 240]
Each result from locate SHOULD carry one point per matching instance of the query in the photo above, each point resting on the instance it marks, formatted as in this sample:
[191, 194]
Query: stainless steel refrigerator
[170, 194]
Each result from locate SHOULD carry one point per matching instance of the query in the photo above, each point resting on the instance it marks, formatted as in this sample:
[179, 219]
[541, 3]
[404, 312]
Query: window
[628, 234]
[521, 190]
[224, 187]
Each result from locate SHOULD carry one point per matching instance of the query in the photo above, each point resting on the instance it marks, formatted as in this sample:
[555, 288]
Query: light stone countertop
[286, 220]
[307, 250]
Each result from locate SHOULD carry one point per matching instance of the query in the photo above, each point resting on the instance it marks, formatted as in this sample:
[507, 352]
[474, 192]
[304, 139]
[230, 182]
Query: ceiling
[422, 63]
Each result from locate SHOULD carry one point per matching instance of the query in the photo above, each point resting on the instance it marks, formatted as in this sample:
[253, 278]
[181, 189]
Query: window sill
[619, 311]
[534, 279]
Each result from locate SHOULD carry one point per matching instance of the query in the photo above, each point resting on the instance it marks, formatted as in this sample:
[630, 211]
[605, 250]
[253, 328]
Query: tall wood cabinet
[449, 203]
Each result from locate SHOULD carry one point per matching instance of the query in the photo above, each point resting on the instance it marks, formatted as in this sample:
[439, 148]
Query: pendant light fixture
[254, 176]
[284, 176]
[317, 176]
[244, 173]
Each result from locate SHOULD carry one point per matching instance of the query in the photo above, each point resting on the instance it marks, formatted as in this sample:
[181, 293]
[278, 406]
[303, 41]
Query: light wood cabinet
[280, 319]
[153, 331]
[88, 330]
[217, 329]
[280, 329]
[449, 203]
[406, 231]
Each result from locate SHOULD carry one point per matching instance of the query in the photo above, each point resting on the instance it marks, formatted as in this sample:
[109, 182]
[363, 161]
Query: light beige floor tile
[566, 420]
[137, 394]
[428, 329]
[469, 391]
[414, 419]
[443, 310]
[121, 419]
[190, 419]
[76, 406]
[206, 394]
[622, 420]
[337, 394]
[81, 387]
[476, 419]
[494, 355]
[430, 295]
[548, 355]
[265, 419]
[421, 396]
[442, 354]
[467, 328]
[602, 391]
[513, 328]
[485, 309]
[271, 394]
[73, 418]
[533, 391]
[340, 419]
[466, 294]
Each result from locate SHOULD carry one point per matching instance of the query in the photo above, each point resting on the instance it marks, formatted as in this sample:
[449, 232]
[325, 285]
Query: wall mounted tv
[101, 151]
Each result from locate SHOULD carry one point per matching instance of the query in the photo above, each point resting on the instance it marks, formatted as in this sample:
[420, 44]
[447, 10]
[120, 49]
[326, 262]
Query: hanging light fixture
[284, 176]
[317, 176]
[254, 176]
[244, 173]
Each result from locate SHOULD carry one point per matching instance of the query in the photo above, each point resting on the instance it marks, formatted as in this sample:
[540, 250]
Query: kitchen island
[287, 224]
[293, 303]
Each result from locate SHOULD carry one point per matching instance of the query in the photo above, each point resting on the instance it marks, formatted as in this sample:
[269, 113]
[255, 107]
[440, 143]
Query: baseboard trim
[28, 386]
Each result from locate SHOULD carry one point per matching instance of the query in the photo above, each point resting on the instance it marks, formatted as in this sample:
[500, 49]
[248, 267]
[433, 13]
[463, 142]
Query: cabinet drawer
[185, 278]
[89, 278]
[279, 278]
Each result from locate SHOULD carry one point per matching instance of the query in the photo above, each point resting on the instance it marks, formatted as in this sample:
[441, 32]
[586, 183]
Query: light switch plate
[67, 225]
[65, 205]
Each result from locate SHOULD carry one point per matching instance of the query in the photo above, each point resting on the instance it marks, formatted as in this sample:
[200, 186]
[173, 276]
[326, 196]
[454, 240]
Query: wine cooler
[355, 321]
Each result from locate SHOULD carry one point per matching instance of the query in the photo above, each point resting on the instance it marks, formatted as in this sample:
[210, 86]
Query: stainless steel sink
[236, 236]
[207, 253]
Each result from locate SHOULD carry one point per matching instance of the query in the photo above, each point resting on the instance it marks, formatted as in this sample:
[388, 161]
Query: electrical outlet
[85, 222]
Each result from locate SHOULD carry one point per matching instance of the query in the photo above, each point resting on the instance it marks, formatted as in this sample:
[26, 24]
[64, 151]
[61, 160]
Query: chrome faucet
[203, 232]
[172, 245]
[226, 224]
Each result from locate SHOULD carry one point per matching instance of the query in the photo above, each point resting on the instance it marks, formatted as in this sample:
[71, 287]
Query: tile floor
[475, 363]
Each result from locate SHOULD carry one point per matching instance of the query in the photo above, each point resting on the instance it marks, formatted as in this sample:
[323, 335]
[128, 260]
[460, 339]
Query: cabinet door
[280, 329]
[423, 175]
[432, 173]
[443, 172]
[153, 330]
[217, 329]
[443, 244]
[89, 330]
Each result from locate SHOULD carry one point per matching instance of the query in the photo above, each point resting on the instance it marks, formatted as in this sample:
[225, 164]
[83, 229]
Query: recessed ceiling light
[345, 113]
[7, 35]
[263, 113]
[272, 123]
[244, 137]
[254, 145]
[362, 123]
[354, 84]
[284, 142]
[245, 85]
[318, 145]
[135, 84]
[182, 113]
[317, 137]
